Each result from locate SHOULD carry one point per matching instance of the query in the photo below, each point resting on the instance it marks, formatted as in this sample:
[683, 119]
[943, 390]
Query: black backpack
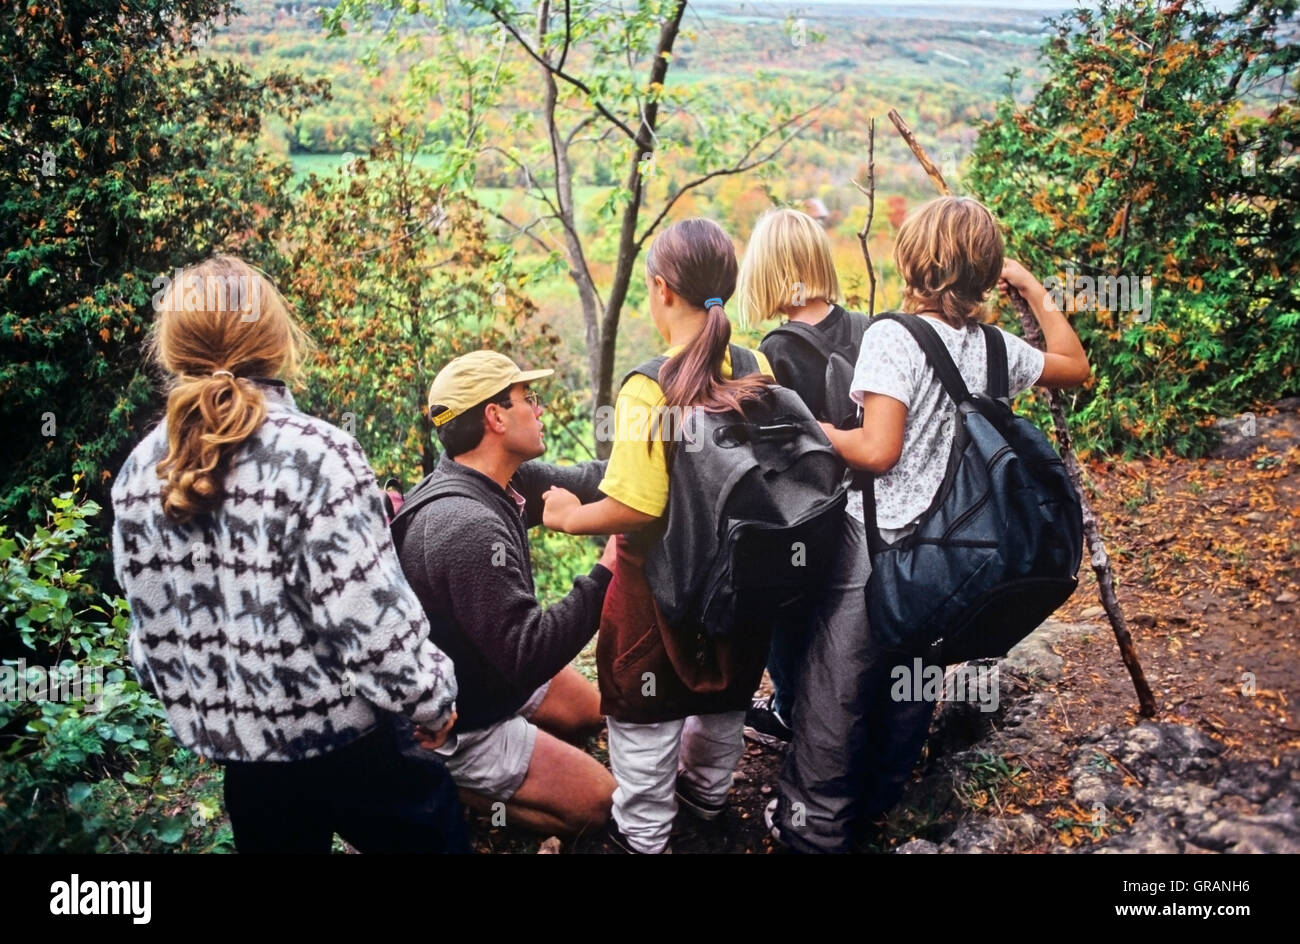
[755, 506]
[842, 412]
[999, 548]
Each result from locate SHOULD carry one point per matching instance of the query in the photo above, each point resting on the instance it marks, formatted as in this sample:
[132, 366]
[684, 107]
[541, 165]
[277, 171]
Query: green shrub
[87, 767]
[1159, 154]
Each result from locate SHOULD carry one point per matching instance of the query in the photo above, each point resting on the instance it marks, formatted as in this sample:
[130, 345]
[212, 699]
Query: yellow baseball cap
[470, 379]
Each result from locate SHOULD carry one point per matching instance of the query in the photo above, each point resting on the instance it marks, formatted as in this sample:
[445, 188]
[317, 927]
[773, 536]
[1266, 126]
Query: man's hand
[610, 552]
[559, 502]
[432, 740]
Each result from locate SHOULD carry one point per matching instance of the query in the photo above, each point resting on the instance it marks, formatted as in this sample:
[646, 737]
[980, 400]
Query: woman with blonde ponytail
[270, 614]
[210, 409]
[681, 741]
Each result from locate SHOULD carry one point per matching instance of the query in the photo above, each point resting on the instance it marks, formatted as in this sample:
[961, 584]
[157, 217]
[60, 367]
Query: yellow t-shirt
[637, 476]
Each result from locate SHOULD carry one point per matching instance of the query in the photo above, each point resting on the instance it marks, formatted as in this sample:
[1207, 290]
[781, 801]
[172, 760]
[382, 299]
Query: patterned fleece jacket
[278, 627]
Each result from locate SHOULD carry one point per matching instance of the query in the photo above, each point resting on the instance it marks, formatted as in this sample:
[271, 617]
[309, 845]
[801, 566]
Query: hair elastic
[223, 373]
[710, 302]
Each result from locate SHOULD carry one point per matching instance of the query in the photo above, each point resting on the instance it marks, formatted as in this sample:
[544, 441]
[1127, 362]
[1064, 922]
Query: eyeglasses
[533, 400]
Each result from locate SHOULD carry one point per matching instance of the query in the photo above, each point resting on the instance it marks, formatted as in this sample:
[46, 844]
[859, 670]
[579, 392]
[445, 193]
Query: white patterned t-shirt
[892, 363]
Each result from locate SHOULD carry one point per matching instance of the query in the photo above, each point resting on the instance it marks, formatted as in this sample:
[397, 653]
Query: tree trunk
[578, 270]
[644, 145]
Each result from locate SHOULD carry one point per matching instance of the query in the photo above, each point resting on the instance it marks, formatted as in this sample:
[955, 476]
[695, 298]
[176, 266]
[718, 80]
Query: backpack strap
[935, 351]
[649, 369]
[743, 361]
[807, 334]
[816, 339]
[423, 494]
[999, 377]
[858, 325]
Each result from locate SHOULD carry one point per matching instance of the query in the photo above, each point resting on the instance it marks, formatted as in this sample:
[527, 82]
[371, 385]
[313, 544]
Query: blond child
[950, 255]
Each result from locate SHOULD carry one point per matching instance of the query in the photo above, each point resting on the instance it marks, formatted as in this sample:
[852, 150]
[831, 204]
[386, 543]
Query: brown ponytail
[218, 324]
[696, 259]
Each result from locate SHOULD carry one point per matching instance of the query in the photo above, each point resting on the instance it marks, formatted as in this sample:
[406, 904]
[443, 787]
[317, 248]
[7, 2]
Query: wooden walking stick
[1096, 546]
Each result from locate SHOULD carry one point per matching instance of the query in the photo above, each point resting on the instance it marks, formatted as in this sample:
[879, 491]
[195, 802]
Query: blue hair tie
[710, 302]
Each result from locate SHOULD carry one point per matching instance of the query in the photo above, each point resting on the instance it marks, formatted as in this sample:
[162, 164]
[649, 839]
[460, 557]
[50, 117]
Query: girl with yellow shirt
[675, 706]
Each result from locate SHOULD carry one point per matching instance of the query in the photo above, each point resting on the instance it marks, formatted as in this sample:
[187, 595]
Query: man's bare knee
[571, 708]
[568, 784]
[591, 811]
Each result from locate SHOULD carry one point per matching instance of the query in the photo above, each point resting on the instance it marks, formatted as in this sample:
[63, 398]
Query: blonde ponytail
[207, 419]
[219, 324]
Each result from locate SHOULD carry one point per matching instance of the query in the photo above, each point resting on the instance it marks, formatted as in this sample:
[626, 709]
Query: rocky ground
[1026, 785]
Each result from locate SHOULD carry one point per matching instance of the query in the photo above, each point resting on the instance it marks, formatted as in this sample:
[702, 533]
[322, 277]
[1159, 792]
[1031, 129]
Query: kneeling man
[462, 536]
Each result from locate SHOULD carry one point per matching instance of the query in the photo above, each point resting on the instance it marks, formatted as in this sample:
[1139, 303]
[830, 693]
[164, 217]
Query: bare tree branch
[561, 74]
[568, 36]
[533, 183]
[579, 269]
[568, 138]
[865, 233]
[742, 164]
[525, 230]
[628, 247]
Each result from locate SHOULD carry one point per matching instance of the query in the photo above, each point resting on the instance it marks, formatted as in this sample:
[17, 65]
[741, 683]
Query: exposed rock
[1033, 656]
[1161, 787]
[980, 834]
[1026, 828]
[1241, 435]
[1159, 750]
[917, 847]
[1153, 843]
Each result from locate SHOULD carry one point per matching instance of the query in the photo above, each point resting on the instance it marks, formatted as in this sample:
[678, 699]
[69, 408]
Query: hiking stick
[1096, 546]
[870, 191]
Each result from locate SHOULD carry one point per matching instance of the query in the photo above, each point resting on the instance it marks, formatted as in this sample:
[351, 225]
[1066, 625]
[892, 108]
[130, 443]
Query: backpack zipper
[975, 508]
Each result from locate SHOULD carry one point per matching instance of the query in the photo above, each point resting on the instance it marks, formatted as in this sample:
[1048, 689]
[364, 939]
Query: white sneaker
[769, 820]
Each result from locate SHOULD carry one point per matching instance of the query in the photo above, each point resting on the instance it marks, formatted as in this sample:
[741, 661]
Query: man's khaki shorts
[494, 761]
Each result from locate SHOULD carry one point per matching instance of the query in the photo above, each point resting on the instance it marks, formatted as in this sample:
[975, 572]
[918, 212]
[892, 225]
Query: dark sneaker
[616, 838]
[688, 798]
[765, 726]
